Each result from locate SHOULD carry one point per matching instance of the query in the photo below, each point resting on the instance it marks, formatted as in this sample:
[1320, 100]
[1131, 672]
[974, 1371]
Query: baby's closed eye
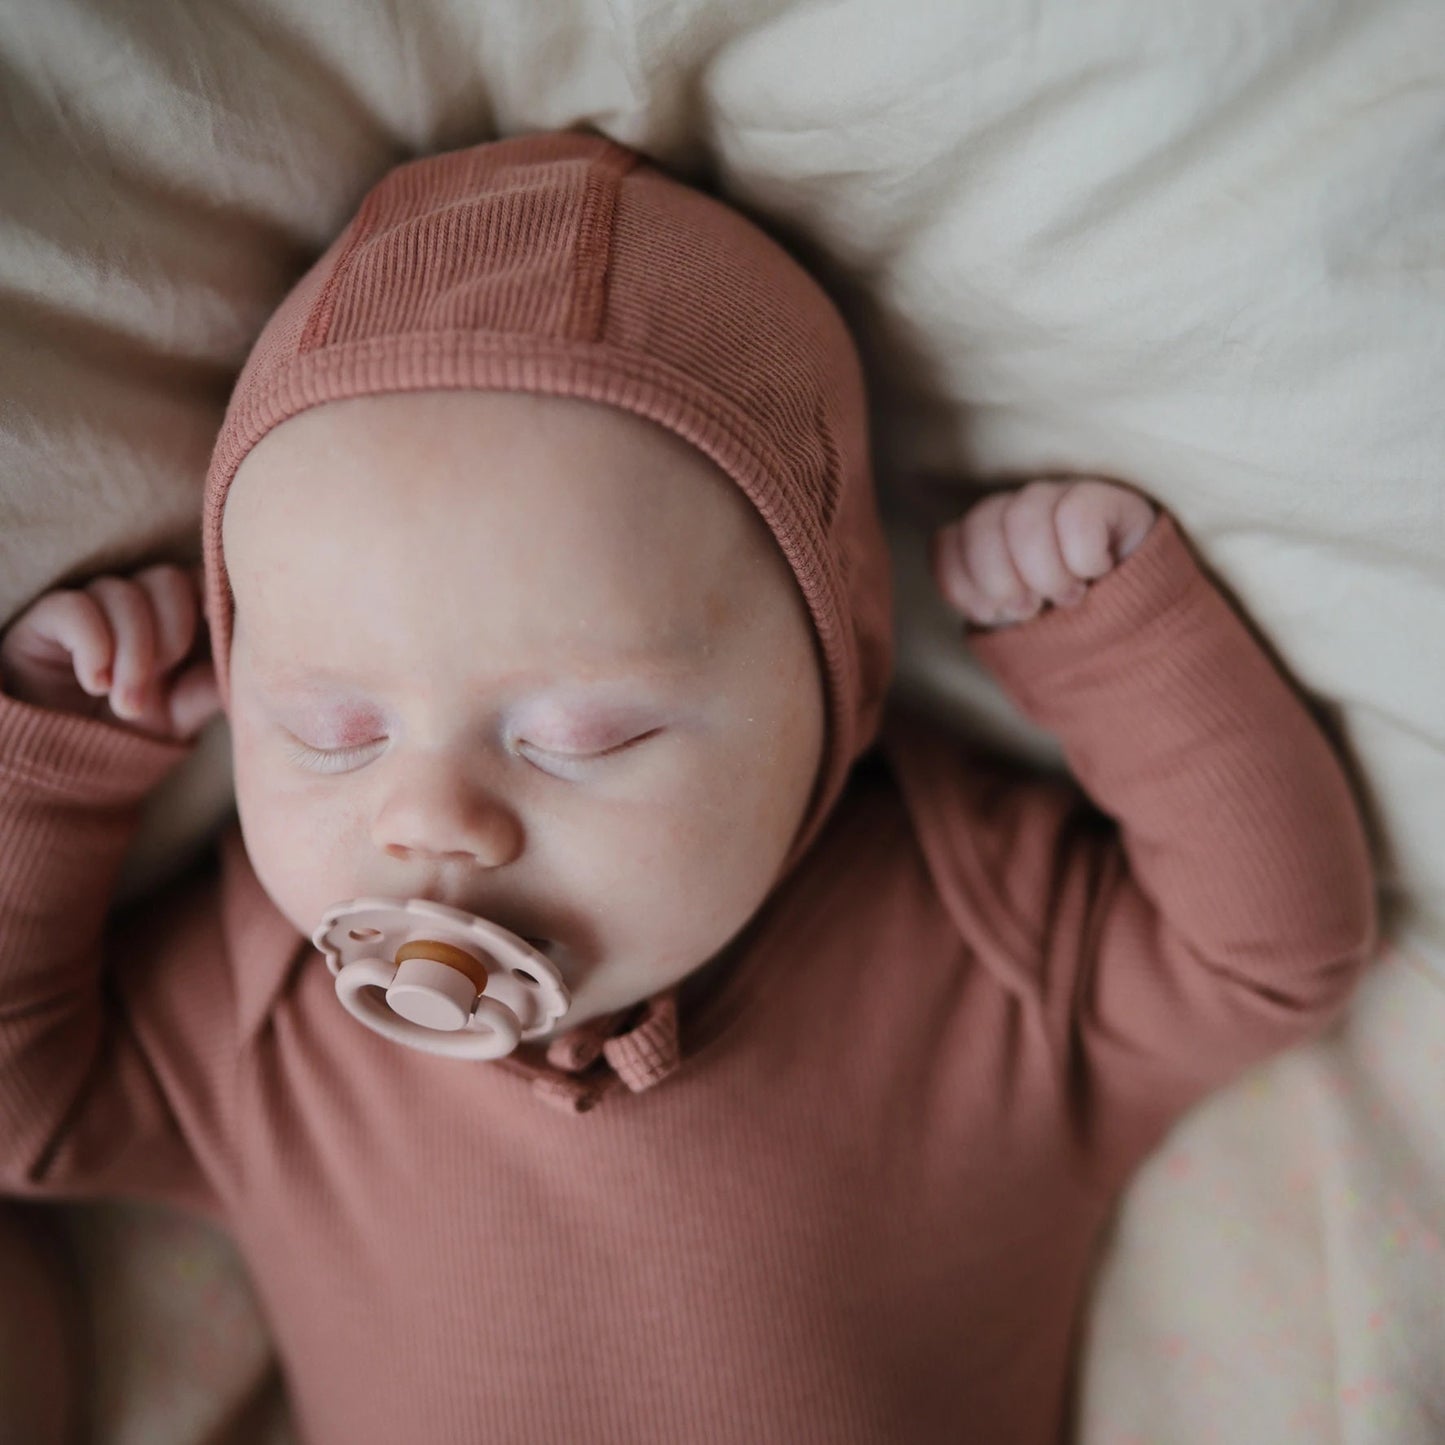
[555, 752]
[578, 731]
[551, 757]
[321, 760]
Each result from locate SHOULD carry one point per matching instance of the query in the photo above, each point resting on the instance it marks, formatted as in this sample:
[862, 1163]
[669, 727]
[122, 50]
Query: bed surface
[1197, 247]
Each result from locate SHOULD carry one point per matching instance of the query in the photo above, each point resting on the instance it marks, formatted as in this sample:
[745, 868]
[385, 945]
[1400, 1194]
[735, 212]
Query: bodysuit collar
[636, 1047]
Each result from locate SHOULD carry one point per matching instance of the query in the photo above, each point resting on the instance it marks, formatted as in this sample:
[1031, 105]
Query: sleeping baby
[607, 1021]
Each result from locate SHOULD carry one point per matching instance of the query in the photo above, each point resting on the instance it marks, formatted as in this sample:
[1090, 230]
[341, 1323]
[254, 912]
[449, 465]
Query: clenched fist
[114, 650]
[1043, 543]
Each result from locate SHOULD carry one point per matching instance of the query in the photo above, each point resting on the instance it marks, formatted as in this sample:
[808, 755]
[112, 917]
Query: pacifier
[439, 979]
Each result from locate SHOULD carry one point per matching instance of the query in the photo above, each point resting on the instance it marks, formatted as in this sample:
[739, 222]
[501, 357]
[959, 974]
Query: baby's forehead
[449, 526]
[457, 476]
[439, 446]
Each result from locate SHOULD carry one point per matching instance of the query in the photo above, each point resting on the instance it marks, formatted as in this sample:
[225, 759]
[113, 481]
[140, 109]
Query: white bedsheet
[1198, 244]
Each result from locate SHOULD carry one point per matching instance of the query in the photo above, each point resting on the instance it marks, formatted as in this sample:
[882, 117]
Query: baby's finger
[68, 630]
[1034, 542]
[951, 574]
[127, 609]
[1099, 524]
[195, 699]
[175, 607]
[986, 557]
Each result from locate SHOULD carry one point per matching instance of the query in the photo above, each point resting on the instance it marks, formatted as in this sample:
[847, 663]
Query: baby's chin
[593, 998]
[596, 994]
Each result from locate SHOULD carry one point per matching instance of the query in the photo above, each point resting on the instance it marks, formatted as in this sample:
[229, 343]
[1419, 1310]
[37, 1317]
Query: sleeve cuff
[1158, 576]
[80, 757]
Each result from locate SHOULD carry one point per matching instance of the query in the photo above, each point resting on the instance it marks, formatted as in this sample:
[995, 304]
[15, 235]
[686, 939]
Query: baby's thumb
[195, 699]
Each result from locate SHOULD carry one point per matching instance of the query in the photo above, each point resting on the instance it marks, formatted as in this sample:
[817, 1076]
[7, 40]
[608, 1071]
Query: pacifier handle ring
[490, 1032]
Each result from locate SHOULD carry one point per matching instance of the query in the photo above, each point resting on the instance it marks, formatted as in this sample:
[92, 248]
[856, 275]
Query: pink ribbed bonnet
[565, 264]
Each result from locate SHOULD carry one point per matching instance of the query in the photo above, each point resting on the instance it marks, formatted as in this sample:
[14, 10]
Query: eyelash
[583, 759]
[319, 761]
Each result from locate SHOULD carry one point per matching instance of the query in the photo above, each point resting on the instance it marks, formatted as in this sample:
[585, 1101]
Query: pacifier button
[431, 994]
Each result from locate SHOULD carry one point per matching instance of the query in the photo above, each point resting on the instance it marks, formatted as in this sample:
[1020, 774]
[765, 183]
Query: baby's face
[531, 657]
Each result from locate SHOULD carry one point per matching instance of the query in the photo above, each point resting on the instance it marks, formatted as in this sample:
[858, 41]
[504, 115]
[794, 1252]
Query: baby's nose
[446, 824]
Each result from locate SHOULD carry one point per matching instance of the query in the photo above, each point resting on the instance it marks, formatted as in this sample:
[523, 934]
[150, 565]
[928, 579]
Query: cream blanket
[1196, 244]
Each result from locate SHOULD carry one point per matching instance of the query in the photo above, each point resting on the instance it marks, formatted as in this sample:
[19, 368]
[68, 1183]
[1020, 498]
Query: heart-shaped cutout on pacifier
[437, 978]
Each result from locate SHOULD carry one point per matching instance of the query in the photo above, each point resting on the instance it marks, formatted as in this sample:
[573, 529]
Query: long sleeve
[1199, 895]
[82, 1110]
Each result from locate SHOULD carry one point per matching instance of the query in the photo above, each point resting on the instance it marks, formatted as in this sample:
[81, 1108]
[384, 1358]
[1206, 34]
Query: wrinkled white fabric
[1199, 247]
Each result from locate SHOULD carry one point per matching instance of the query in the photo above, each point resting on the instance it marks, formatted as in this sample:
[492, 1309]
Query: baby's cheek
[296, 848]
[719, 859]
[665, 862]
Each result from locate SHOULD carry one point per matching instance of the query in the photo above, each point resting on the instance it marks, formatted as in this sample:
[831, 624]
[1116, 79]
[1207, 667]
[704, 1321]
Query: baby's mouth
[548, 947]
[557, 954]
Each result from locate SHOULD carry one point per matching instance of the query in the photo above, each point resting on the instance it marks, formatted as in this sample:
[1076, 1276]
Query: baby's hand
[107, 650]
[1045, 542]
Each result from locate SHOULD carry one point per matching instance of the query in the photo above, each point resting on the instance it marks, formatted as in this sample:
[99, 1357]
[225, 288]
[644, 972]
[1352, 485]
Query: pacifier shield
[437, 978]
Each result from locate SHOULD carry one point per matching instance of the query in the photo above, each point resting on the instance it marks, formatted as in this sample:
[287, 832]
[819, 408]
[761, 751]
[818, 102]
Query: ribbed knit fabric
[862, 1209]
